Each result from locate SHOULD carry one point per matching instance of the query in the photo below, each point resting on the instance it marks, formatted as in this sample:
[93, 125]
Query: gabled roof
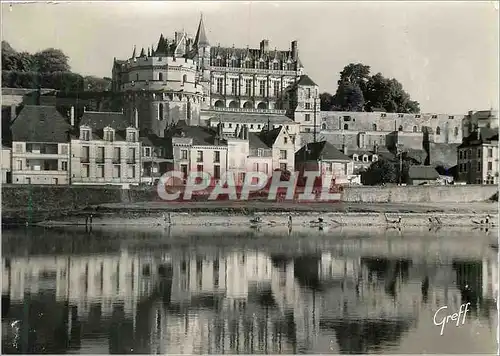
[323, 150]
[423, 172]
[37, 123]
[99, 120]
[306, 80]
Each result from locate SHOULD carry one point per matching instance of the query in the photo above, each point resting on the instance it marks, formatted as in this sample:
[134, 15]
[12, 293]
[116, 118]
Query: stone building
[106, 150]
[479, 119]
[40, 146]
[327, 161]
[478, 157]
[189, 79]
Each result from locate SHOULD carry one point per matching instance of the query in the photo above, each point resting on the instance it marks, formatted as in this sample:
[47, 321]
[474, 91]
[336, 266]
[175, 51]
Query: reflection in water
[89, 294]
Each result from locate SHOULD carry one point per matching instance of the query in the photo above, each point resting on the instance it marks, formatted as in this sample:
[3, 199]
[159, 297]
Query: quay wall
[18, 200]
[419, 194]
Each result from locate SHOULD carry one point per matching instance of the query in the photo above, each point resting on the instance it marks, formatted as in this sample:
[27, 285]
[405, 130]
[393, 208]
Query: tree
[326, 101]
[355, 74]
[358, 91]
[349, 97]
[97, 84]
[388, 94]
[51, 60]
[380, 172]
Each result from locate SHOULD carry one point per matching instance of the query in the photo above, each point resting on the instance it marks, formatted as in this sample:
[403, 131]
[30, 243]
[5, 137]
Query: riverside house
[106, 150]
[478, 157]
[40, 146]
[327, 160]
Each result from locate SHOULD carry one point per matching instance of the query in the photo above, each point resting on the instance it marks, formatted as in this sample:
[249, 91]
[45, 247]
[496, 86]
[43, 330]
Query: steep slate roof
[269, 136]
[306, 80]
[201, 38]
[323, 150]
[486, 135]
[99, 120]
[201, 135]
[256, 142]
[423, 172]
[40, 124]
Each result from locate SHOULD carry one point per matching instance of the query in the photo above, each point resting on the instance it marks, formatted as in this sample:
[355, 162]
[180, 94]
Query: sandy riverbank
[277, 214]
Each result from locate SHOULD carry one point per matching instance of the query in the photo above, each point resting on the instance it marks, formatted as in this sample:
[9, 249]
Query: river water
[192, 290]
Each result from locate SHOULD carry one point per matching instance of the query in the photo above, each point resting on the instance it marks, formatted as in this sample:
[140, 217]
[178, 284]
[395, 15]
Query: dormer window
[234, 62]
[131, 135]
[109, 134]
[262, 64]
[85, 135]
[374, 158]
[355, 158]
[365, 158]
[259, 152]
[276, 66]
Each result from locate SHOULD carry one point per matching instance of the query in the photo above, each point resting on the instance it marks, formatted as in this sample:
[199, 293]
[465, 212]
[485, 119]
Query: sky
[446, 54]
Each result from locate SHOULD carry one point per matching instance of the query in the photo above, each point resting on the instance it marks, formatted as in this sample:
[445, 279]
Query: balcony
[99, 160]
[131, 161]
[250, 110]
[255, 71]
[85, 159]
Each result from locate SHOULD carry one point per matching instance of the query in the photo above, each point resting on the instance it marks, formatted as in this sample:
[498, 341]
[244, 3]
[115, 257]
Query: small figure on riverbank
[256, 220]
[167, 219]
[393, 221]
[289, 220]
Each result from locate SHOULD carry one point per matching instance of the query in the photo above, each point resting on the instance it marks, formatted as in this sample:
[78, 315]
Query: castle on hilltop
[189, 79]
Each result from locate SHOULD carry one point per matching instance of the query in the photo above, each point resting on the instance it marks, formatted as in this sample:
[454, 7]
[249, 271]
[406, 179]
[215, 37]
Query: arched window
[160, 76]
[438, 130]
[374, 127]
[415, 129]
[456, 131]
[323, 126]
[346, 127]
[160, 111]
[184, 78]
[400, 128]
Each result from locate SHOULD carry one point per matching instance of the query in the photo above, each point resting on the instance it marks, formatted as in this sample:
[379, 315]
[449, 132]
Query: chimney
[470, 113]
[136, 118]
[245, 132]
[375, 148]
[295, 50]
[12, 112]
[478, 133]
[264, 46]
[344, 149]
[72, 116]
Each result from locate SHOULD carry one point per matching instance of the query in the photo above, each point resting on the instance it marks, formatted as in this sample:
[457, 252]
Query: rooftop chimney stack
[295, 50]
[264, 46]
[478, 133]
[136, 118]
[72, 116]
[344, 149]
[375, 148]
